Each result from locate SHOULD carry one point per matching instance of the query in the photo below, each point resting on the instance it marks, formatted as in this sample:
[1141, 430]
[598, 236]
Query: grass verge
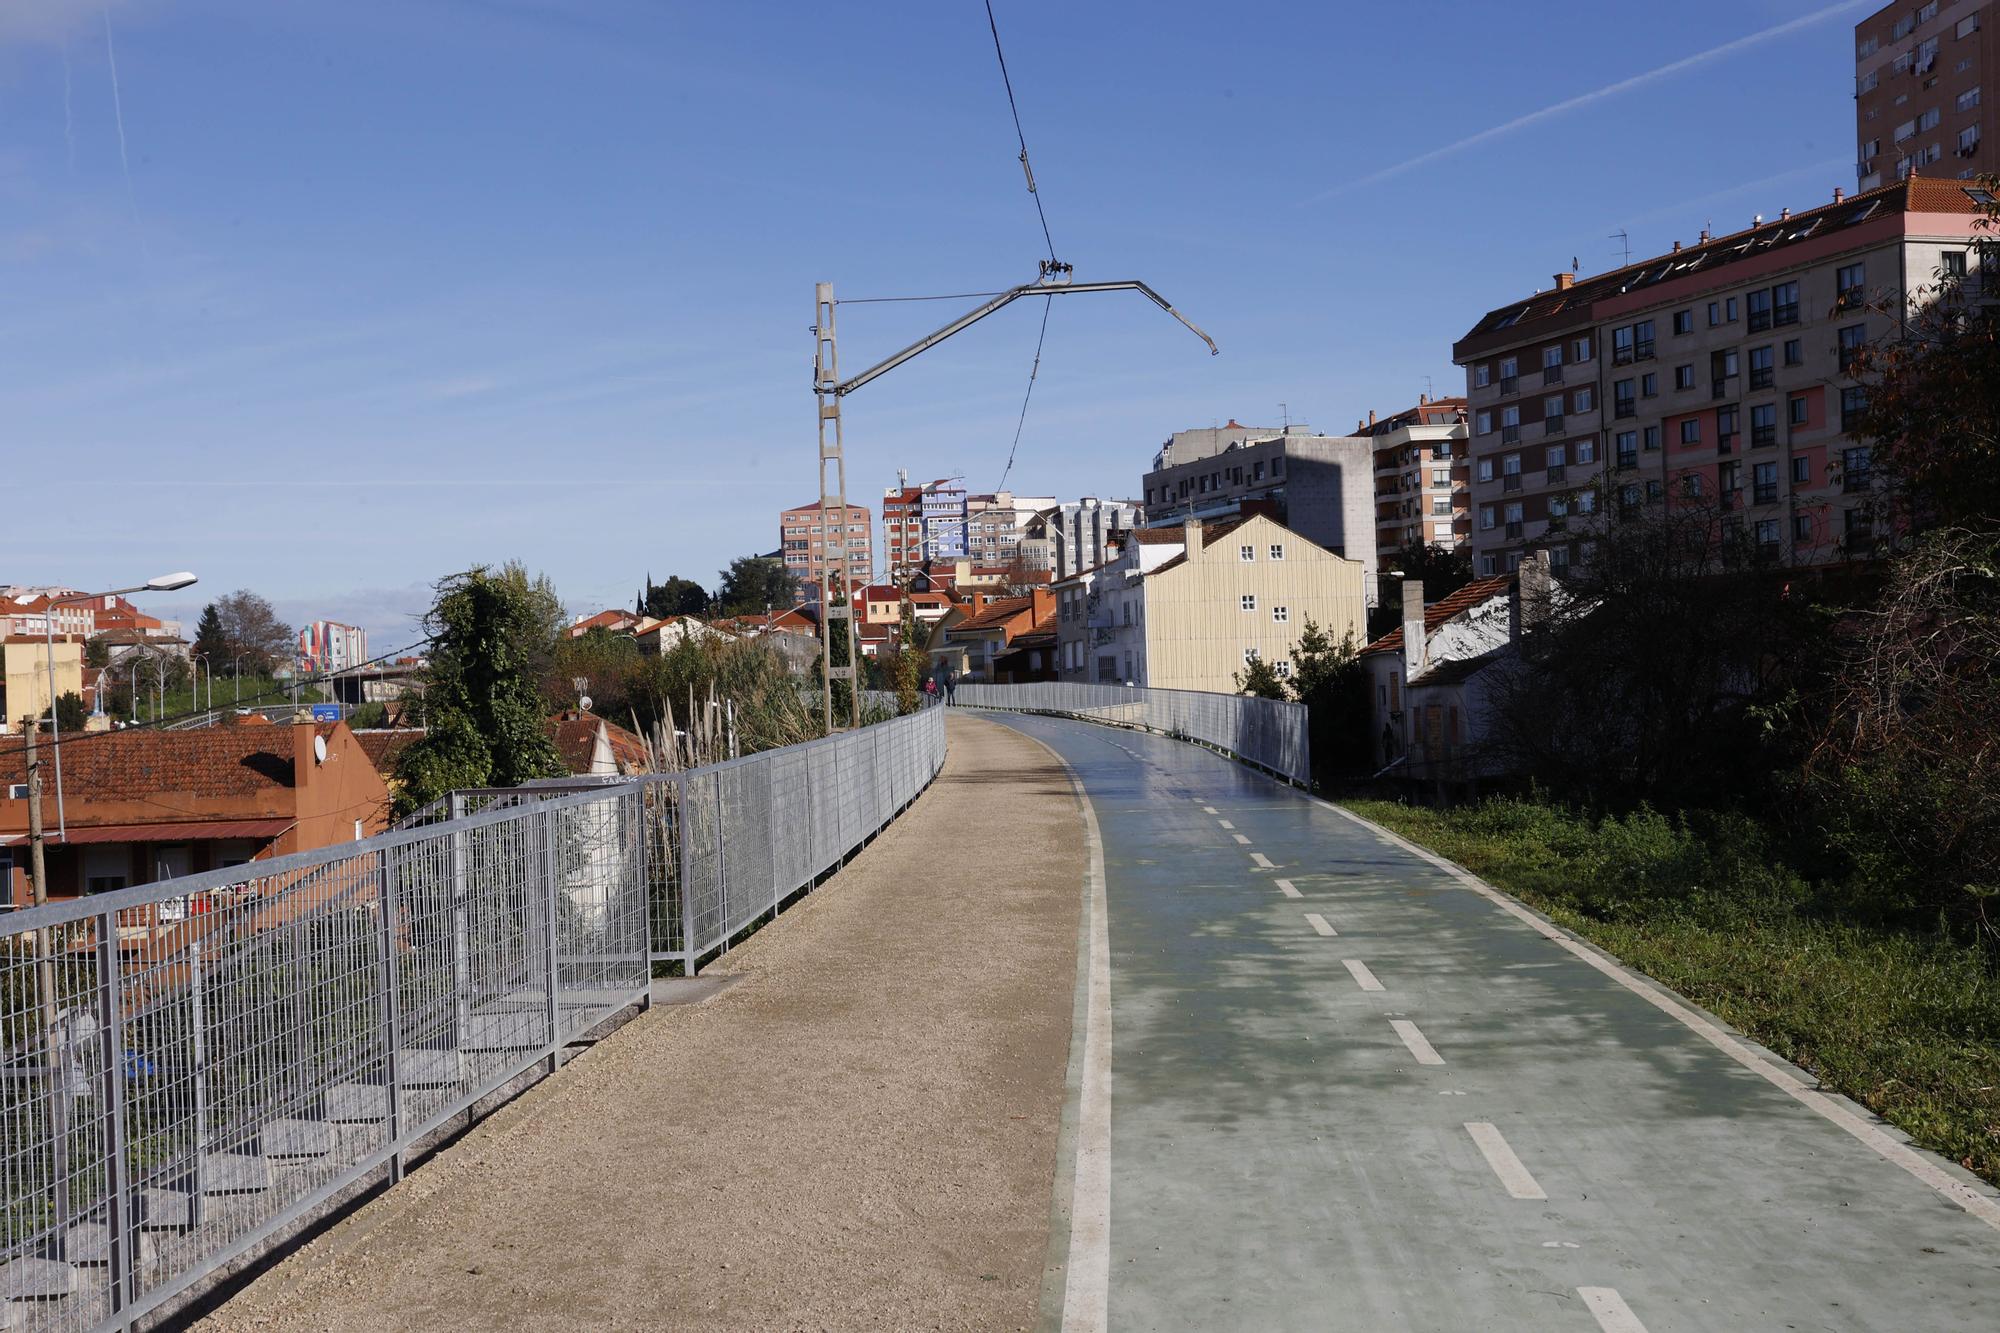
[1905, 1022]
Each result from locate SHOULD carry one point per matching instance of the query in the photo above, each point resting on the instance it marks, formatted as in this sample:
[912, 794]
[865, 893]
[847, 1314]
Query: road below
[1349, 1091]
[860, 1132]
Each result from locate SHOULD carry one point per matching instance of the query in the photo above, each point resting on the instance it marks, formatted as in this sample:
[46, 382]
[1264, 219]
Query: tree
[1328, 678]
[1442, 571]
[1932, 412]
[910, 662]
[676, 597]
[754, 584]
[1260, 680]
[209, 639]
[250, 628]
[70, 712]
[492, 638]
[96, 651]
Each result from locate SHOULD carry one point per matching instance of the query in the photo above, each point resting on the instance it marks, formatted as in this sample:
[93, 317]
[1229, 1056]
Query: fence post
[722, 863]
[198, 1032]
[118, 1226]
[392, 1013]
[461, 934]
[642, 861]
[549, 836]
[686, 859]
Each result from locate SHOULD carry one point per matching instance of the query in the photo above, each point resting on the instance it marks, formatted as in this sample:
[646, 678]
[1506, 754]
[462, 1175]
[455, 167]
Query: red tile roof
[382, 745]
[140, 765]
[1444, 609]
[995, 613]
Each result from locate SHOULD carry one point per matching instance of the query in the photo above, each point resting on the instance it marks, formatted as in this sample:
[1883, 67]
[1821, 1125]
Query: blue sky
[377, 290]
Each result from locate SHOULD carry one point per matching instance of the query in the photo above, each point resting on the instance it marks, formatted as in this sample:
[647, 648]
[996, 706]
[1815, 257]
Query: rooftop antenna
[1624, 239]
[1430, 390]
[1285, 411]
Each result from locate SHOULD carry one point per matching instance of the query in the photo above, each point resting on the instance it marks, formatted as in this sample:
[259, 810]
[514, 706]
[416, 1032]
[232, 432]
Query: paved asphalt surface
[1387, 1103]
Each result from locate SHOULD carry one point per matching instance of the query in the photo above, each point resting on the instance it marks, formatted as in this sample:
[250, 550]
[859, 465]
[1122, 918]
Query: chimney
[1784, 214]
[1423, 400]
[1677, 247]
[1565, 281]
[1371, 416]
[1838, 194]
[1413, 630]
[1190, 536]
[1529, 604]
[1704, 237]
[1042, 604]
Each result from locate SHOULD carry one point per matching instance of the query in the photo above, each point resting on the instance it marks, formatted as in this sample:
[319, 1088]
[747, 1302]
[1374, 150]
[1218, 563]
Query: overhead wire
[1028, 170]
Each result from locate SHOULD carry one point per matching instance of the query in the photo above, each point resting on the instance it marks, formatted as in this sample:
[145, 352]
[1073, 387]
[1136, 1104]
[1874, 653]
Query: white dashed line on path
[1421, 1048]
[1285, 887]
[1319, 923]
[1493, 1146]
[1225, 823]
[1208, 809]
[1362, 976]
[1240, 838]
[1262, 861]
[1613, 1315]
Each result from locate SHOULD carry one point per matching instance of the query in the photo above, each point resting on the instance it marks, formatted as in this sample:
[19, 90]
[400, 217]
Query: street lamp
[164, 583]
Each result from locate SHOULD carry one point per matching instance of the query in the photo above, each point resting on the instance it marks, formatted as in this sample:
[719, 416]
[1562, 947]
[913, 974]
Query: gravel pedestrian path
[861, 1132]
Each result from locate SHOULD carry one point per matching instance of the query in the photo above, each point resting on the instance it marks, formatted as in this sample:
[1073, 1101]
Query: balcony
[1552, 425]
[1643, 351]
[1720, 388]
[1552, 374]
[1765, 494]
[1511, 482]
[1510, 384]
[1558, 472]
[1726, 444]
[1626, 460]
[1785, 314]
[1855, 480]
[1514, 530]
[1510, 435]
[1624, 407]
[1731, 498]
[1763, 435]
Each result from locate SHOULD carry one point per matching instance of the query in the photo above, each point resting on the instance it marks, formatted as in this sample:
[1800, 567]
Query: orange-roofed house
[143, 805]
[975, 633]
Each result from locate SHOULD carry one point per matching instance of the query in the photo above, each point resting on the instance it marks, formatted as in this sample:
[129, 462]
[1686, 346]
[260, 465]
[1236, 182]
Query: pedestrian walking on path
[950, 685]
[930, 690]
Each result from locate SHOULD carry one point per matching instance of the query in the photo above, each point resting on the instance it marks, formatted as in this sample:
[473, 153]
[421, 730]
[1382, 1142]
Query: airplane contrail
[1665, 71]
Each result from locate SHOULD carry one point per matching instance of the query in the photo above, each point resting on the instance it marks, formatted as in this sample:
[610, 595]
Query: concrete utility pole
[829, 389]
[45, 979]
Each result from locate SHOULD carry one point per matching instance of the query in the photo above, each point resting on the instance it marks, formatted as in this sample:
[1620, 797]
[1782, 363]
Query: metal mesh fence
[1269, 733]
[189, 1066]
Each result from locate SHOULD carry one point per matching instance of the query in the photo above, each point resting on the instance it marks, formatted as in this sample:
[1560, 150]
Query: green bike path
[1349, 1091]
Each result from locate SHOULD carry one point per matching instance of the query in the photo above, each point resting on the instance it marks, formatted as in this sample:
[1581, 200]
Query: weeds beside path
[1904, 1021]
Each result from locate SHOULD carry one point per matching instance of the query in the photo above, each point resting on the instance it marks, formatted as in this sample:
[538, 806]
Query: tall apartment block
[1320, 486]
[1423, 477]
[328, 645]
[902, 530]
[944, 512]
[809, 550]
[1717, 373]
[996, 523]
[1918, 100]
[1078, 534]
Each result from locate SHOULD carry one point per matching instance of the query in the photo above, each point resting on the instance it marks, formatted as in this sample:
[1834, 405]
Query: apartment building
[1422, 477]
[328, 645]
[1189, 606]
[944, 515]
[902, 529]
[1322, 487]
[1919, 100]
[1078, 535]
[811, 552]
[996, 524]
[1715, 374]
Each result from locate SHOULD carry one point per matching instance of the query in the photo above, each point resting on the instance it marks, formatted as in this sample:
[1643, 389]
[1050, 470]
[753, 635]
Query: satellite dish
[319, 749]
[584, 703]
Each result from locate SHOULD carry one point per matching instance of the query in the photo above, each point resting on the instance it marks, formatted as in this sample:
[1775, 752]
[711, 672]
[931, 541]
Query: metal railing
[191, 1067]
[1268, 733]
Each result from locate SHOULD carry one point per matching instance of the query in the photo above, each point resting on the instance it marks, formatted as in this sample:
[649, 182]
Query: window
[1441, 504]
[1249, 655]
[1584, 399]
[1801, 471]
[1683, 321]
[1866, 83]
[1552, 357]
[1580, 349]
[1953, 264]
[1586, 451]
[1486, 517]
[1763, 424]
[1683, 377]
[1249, 601]
[1280, 614]
[1968, 99]
[1486, 566]
[1482, 423]
[1651, 437]
[1628, 497]
[1692, 485]
[1760, 310]
[1928, 120]
[1246, 553]
[1557, 456]
[1486, 469]
[1482, 375]
[1621, 346]
[1558, 507]
[1767, 532]
[1795, 351]
[1642, 336]
[1655, 489]
[1798, 409]
[1867, 48]
[1856, 466]
[1440, 476]
[1691, 431]
[1760, 368]
[1968, 141]
[1649, 385]
[1852, 339]
[1802, 528]
[1764, 483]
[1282, 668]
[1512, 514]
[1714, 313]
[1277, 551]
[1725, 427]
[1627, 445]
[1853, 401]
[1848, 283]
[1552, 411]
[1510, 371]
[1622, 401]
[1967, 26]
[1510, 465]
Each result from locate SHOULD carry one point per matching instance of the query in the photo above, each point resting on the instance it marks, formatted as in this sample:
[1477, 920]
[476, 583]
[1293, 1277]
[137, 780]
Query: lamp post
[236, 674]
[164, 583]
